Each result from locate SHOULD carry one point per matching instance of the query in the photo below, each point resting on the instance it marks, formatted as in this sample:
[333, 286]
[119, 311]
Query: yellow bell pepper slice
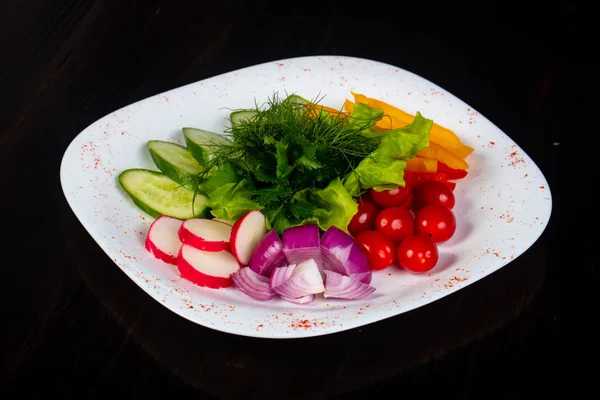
[448, 158]
[397, 118]
[428, 152]
[420, 164]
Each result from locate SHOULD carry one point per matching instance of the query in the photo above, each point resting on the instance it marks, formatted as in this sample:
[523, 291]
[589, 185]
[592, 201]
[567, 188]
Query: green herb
[288, 146]
[300, 164]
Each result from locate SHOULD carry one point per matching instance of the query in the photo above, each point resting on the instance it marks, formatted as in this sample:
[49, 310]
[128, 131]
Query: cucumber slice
[297, 99]
[202, 143]
[237, 117]
[175, 161]
[156, 194]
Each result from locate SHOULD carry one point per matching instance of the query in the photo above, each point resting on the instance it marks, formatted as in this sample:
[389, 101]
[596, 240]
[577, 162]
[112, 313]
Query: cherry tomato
[435, 221]
[417, 254]
[391, 198]
[396, 223]
[364, 219]
[380, 250]
[433, 192]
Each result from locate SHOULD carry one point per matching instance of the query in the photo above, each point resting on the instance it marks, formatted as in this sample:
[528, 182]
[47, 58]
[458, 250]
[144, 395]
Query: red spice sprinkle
[301, 324]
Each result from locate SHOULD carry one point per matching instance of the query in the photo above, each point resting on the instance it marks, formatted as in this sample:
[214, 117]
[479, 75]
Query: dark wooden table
[75, 326]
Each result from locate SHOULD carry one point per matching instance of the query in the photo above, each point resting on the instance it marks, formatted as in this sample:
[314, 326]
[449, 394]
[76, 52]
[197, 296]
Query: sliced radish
[246, 234]
[162, 240]
[212, 269]
[205, 234]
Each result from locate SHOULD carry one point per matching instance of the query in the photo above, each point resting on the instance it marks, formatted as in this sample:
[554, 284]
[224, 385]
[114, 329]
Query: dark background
[73, 325]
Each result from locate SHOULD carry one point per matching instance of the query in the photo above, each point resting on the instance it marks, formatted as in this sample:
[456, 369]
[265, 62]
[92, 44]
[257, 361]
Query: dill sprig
[287, 146]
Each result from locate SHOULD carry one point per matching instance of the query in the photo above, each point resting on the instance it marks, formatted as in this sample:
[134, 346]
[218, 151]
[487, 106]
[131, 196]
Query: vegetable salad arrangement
[298, 200]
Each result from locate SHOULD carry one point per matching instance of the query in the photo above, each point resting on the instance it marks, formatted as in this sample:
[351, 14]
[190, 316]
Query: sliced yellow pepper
[420, 164]
[428, 152]
[447, 157]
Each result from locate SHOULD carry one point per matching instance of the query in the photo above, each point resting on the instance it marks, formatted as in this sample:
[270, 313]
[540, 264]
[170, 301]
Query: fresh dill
[288, 146]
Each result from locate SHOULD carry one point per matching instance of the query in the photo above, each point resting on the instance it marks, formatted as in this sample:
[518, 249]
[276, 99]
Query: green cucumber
[175, 161]
[156, 194]
[202, 143]
[238, 116]
[297, 99]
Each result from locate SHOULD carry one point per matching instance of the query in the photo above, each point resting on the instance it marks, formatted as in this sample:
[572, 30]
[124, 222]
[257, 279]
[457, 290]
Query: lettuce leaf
[229, 194]
[384, 167]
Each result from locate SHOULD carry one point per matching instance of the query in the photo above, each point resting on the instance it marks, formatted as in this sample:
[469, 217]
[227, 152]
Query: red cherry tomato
[417, 254]
[380, 250]
[364, 219]
[433, 192]
[396, 223]
[435, 221]
[391, 198]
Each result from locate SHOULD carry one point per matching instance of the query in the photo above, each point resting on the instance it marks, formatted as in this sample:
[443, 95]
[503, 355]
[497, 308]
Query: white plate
[503, 205]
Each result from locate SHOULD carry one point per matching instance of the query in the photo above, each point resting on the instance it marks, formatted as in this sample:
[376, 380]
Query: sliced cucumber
[297, 99]
[156, 194]
[202, 143]
[238, 116]
[175, 161]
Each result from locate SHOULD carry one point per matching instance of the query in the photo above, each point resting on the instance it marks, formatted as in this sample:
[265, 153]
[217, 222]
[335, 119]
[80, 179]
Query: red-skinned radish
[246, 234]
[211, 269]
[205, 234]
[162, 240]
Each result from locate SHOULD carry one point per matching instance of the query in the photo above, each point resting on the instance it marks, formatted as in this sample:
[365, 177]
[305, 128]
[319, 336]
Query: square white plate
[502, 206]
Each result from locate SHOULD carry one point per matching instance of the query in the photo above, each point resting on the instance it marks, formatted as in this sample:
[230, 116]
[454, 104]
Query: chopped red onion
[346, 287]
[305, 280]
[300, 300]
[252, 284]
[301, 243]
[268, 254]
[343, 255]
[281, 274]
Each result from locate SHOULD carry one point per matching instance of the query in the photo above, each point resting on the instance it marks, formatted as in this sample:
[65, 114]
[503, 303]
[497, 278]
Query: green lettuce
[229, 194]
[384, 167]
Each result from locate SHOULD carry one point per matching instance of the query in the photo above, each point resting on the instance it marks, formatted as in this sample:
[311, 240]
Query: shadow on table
[230, 366]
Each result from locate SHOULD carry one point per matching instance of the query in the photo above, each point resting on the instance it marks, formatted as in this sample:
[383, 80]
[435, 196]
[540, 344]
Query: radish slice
[305, 280]
[268, 255]
[300, 300]
[343, 255]
[205, 234]
[246, 234]
[301, 243]
[252, 284]
[212, 269]
[346, 287]
[162, 240]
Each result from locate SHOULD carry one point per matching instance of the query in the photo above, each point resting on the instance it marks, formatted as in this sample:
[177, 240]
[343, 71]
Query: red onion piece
[343, 255]
[252, 284]
[268, 254]
[281, 274]
[301, 243]
[300, 300]
[305, 280]
[346, 287]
